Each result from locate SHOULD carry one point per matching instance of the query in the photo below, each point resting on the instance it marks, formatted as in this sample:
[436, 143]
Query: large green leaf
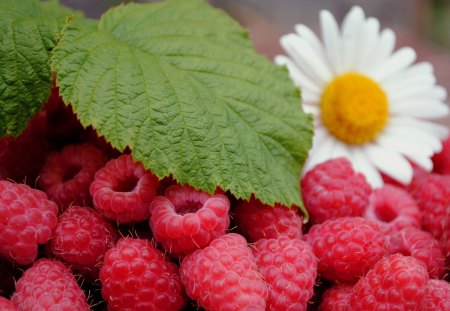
[27, 36]
[180, 84]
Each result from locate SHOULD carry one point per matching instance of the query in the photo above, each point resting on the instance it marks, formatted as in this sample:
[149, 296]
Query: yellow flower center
[354, 108]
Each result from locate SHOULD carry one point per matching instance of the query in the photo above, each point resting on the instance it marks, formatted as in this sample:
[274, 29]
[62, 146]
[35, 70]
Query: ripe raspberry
[437, 296]
[333, 189]
[336, 298]
[441, 160]
[432, 194]
[6, 305]
[393, 208]
[81, 239]
[136, 276]
[396, 282]
[422, 246]
[346, 247]
[224, 276]
[445, 239]
[290, 269]
[27, 218]
[256, 220]
[49, 285]
[123, 190]
[67, 175]
[186, 219]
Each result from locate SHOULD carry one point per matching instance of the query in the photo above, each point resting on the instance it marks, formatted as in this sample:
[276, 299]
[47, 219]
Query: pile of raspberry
[86, 227]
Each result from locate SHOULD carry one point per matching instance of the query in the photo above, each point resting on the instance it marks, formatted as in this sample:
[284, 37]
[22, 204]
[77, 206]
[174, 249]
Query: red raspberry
[256, 220]
[333, 189]
[49, 285]
[27, 218]
[422, 246]
[346, 247]
[290, 269]
[445, 239]
[432, 194]
[136, 276]
[67, 175]
[81, 239]
[396, 282]
[441, 160]
[336, 298]
[6, 305]
[224, 276]
[186, 219]
[123, 190]
[437, 296]
[393, 208]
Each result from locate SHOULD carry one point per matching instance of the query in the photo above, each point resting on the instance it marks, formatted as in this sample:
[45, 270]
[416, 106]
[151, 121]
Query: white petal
[351, 27]
[314, 109]
[428, 109]
[390, 163]
[434, 129]
[297, 76]
[331, 39]
[320, 152]
[397, 61]
[308, 61]
[420, 74]
[368, 43]
[340, 150]
[310, 37]
[384, 48]
[363, 165]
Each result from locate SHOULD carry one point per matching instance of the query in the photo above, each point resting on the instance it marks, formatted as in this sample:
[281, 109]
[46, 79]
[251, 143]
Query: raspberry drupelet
[67, 175]
[123, 189]
[27, 218]
[184, 219]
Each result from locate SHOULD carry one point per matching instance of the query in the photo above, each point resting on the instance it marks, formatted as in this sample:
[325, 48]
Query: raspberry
[445, 239]
[186, 219]
[49, 285]
[333, 189]
[67, 175]
[290, 269]
[437, 296]
[441, 160]
[6, 305]
[422, 246]
[27, 218]
[393, 208]
[432, 194]
[123, 190]
[136, 276]
[224, 276]
[346, 247]
[336, 298]
[396, 282]
[256, 220]
[81, 239]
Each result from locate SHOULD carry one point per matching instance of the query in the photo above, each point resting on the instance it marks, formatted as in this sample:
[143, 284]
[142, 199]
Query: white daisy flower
[370, 104]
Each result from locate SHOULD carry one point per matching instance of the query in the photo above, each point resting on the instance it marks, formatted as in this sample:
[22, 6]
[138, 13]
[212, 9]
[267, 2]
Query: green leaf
[180, 84]
[28, 33]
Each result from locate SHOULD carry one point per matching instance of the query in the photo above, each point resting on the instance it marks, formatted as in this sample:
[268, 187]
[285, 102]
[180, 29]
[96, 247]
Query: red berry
[393, 208]
[437, 296]
[432, 194]
[333, 189]
[123, 190]
[224, 276]
[81, 239]
[136, 276]
[67, 175]
[290, 269]
[346, 247]
[49, 285]
[336, 298]
[441, 160]
[27, 218]
[256, 220]
[396, 282]
[6, 305]
[422, 246]
[186, 219]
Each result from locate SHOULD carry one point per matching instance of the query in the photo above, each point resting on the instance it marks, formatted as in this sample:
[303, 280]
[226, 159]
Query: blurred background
[421, 24]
